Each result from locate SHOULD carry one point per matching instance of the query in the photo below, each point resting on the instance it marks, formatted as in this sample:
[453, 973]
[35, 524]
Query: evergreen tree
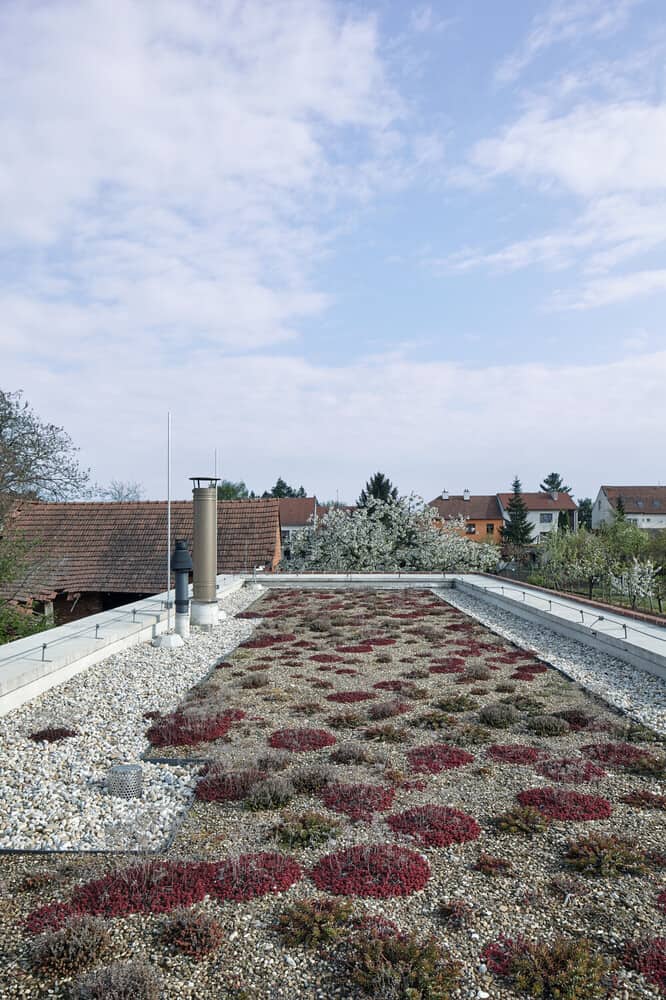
[228, 490]
[518, 530]
[563, 521]
[585, 513]
[282, 489]
[378, 487]
[553, 483]
[620, 512]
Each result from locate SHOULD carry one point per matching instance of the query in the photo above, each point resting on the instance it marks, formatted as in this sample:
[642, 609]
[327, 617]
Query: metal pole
[168, 544]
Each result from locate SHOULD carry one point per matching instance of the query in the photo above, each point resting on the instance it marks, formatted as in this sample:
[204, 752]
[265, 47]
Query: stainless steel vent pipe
[204, 598]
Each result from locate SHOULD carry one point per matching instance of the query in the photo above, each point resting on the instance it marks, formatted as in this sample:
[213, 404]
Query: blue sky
[337, 237]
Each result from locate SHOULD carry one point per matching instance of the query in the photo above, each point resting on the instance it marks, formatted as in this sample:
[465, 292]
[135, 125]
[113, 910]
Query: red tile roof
[542, 501]
[120, 547]
[477, 508]
[296, 512]
[638, 499]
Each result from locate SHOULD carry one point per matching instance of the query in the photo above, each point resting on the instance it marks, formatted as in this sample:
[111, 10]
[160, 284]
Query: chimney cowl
[445, 494]
[466, 495]
[554, 494]
[181, 560]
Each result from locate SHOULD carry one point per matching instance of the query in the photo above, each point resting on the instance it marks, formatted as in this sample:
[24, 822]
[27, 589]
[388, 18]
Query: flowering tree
[638, 579]
[394, 535]
[570, 557]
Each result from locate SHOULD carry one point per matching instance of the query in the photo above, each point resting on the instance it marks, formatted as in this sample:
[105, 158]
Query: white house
[643, 505]
[543, 511]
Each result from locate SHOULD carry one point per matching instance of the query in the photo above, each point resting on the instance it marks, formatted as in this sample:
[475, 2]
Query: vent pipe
[466, 495]
[205, 612]
[181, 564]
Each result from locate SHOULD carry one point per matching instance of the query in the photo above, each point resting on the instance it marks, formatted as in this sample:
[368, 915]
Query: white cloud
[614, 289]
[332, 427]
[167, 166]
[595, 149]
[566, 21]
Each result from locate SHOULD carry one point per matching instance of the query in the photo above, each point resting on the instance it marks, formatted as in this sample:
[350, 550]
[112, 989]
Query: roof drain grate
[125, 781]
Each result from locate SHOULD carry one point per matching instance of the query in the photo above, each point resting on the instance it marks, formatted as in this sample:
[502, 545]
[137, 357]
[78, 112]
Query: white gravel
[53, 795]
[637, 693]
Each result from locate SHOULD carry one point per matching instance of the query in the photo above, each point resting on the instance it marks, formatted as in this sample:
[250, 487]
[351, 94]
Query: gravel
[637, 693]
[53, 795]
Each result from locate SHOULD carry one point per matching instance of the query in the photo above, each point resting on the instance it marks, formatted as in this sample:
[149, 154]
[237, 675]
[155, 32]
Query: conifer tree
[378, 487]
[517, 531]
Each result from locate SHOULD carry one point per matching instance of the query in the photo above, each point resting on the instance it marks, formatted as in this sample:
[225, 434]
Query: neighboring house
[543, 511]
[643, 505]
[297, 513]
[482, 515]
[88, 557]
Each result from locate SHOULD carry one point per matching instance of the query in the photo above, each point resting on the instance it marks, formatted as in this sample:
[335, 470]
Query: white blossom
[388, 536]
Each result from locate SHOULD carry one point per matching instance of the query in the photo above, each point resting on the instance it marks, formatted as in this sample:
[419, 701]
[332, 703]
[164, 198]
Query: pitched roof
[541, 501]
[120, 547]
[296, 512]
[638, 499]
[476, 508]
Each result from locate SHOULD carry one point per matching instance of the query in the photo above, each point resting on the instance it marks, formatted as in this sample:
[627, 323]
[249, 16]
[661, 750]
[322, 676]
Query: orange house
[482, 515]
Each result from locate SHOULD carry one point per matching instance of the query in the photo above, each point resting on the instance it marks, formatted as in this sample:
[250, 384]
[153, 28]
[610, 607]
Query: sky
[333, 238]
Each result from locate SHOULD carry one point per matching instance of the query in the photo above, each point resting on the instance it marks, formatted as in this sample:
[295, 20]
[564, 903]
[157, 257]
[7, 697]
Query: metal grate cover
[125, 781]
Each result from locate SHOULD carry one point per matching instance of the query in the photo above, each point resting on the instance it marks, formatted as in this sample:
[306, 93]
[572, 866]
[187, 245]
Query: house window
[470, 529]
[546, 518]
[490, 529]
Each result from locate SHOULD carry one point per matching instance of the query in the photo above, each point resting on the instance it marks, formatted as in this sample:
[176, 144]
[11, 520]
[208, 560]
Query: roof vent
[445, 494]
[466, 495]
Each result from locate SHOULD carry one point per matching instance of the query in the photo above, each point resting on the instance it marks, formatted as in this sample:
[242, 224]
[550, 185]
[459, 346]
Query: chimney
[205, 611]
[466, 495]
[554, 494]
[445, 494]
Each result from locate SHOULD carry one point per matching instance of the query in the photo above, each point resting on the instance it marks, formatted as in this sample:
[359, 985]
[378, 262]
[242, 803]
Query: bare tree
[37, 460]
[120, 491]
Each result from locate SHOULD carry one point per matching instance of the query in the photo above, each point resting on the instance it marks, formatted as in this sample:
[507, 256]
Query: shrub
[558, 804]
[438, 757]
[271, 793]
[133, 980]
[344, 720]
[254, 681]
[564, 968]
[387, 734]
[478, 673]
[599, 854]
[227, 786]
[513, 753]
[548, 725]
[177, 729]
[577, 719]
[312, 779]
[524, 820]
[571, 770]
[351, 753]
[277, 761]
[403, 966]
[490, 865]
[60, 953]
[505, 688]
[300, 740]
[450, 665]
[252, 875]
[357, 801]
[194, 934]
[614, 754]
[471, 734]
[641, 799]
[435, 826]
[499, 716]
[306, 829]
[52, 734]
[455, 913]
[648, 956]
[387, 710]
[313, 922]
[456, 703]
[435, 720]
[378, 870]
[348, 697]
